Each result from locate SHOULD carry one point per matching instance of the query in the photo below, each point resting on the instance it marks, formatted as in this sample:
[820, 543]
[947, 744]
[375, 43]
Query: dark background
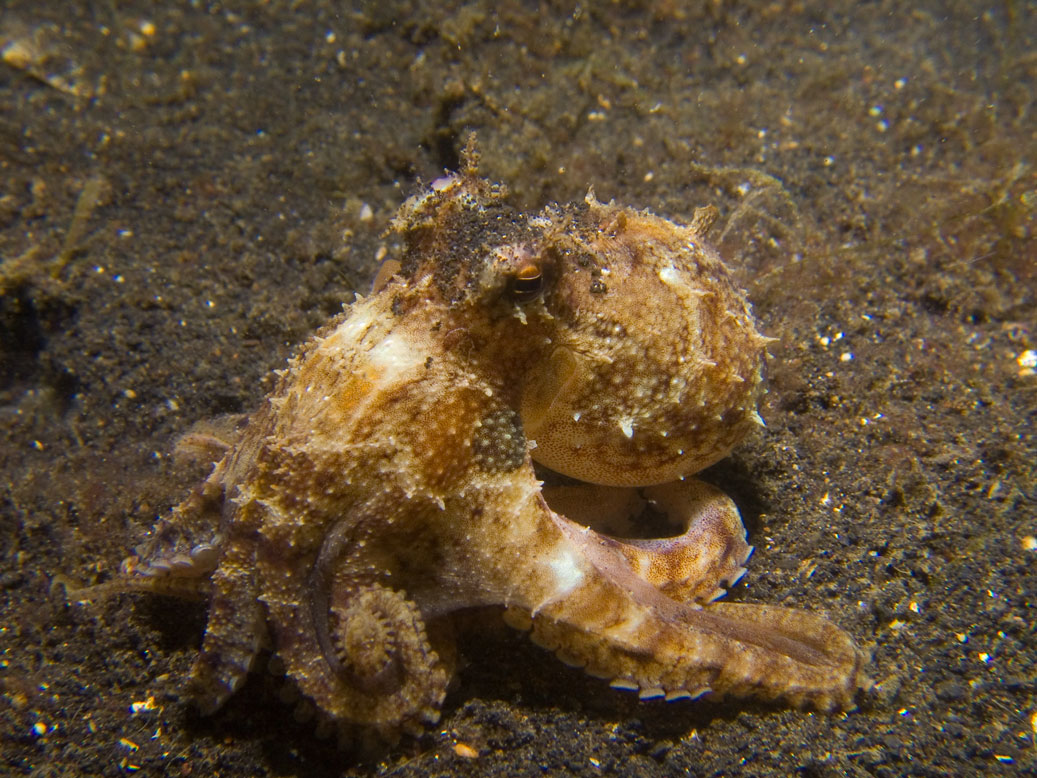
[187, 191]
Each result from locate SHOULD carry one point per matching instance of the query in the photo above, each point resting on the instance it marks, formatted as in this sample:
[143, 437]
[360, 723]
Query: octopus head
[634, 355]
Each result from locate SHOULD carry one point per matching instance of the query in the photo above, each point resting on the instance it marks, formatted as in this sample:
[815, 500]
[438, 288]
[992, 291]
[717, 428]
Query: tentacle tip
[75, 593]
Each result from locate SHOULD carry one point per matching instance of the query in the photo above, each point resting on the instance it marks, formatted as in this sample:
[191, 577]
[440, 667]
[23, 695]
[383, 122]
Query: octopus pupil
[527, 284]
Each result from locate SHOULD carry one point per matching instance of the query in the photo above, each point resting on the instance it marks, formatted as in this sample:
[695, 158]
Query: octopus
[388, 482]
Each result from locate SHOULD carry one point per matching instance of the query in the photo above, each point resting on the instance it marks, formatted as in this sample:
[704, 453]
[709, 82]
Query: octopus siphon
[388, 481]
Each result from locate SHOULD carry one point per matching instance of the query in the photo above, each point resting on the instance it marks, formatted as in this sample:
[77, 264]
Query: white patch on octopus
[353, 328]
[626, 426]
[395, 355]
[565, 566]
[669, 275]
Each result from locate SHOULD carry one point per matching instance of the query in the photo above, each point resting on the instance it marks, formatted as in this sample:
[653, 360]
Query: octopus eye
[527, 283]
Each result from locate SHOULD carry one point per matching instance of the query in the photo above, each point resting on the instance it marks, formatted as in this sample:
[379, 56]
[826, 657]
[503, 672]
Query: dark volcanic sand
[182, 200]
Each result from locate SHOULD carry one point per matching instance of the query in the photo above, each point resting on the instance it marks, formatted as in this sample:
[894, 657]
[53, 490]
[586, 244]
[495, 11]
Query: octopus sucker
[388, 481]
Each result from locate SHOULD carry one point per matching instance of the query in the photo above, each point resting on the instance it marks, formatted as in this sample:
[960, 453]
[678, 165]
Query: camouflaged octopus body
[388, 481]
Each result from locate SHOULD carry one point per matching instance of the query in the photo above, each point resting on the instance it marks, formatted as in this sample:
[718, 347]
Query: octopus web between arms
[388, 480]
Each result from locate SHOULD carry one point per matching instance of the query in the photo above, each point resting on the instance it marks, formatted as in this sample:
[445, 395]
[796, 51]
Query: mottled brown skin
[388, 481]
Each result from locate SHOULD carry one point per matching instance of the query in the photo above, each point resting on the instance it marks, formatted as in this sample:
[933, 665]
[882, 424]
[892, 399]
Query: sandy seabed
[187, 192]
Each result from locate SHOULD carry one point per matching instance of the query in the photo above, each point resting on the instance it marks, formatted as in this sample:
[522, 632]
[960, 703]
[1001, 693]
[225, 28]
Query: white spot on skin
[567, 571]
[444, 183]
[627, 427]
[394, 355]
[352, 328]
[669, 275]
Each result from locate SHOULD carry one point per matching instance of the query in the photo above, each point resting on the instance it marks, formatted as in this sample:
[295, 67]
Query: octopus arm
[617, 625]
[725, 650]
[358, 648]
[695, 566]
[235, 632]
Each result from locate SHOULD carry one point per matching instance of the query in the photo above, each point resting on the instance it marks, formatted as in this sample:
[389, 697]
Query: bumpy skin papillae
[388, 481]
